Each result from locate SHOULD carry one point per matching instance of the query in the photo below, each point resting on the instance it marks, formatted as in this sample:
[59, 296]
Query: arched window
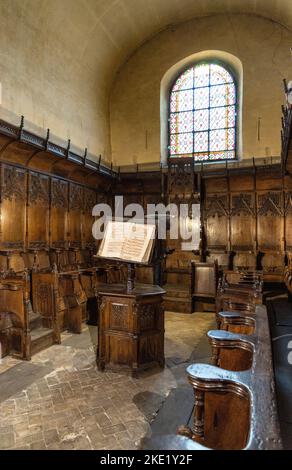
[203, 114]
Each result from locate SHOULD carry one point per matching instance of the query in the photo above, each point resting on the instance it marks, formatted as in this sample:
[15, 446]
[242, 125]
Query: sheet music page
[112, 243]
[128, 241]
[138, 242]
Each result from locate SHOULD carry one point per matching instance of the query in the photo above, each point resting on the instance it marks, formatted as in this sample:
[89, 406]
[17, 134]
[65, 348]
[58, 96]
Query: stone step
[41, 338]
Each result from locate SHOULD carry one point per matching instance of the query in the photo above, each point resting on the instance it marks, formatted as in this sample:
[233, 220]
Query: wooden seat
[178, 282]
[34, 332]
[69, 299]
[231, 351]
[237, 322]
[237, 305]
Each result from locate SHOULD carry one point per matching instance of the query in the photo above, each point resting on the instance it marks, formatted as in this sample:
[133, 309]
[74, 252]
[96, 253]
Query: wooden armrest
[231, 351]
[223, 337]
[241, 322]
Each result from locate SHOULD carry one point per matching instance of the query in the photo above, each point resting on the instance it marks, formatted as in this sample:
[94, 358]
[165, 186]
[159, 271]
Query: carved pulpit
[131, 325]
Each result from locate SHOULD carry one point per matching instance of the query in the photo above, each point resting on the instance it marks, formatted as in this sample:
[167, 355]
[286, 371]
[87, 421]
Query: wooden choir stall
[54, 276]
[234, 403]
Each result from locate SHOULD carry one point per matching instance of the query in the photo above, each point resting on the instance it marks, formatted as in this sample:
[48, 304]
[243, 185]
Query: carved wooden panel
[13, 207]
[181, 178]
[150, 348]
[147, 314]
[75, 214]
[216, 215]
[38, 189]
[43, 299]
[59, 212]
[119, 316]
[270, 220]
[38, 211]
[242, 222]
[76, 197]
[131, 332]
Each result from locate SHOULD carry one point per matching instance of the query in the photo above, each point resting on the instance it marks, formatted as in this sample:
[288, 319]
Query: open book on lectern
[128, 241]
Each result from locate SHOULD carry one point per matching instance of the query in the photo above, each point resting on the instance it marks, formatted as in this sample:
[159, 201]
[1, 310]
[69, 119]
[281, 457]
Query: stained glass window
[202, 120]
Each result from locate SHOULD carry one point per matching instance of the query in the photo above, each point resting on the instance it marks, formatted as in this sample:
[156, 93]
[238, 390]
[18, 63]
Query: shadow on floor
[20, 377]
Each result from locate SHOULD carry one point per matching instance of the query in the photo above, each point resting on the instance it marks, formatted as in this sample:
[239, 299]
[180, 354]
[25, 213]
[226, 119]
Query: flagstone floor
[59, 400]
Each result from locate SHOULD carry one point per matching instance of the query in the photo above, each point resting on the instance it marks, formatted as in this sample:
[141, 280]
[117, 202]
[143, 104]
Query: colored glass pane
[181, 122]
[185, 81]
[202, 121]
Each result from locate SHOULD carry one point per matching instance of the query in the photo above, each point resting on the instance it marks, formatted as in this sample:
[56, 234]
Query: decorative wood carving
[13, 183]
[59, 197]
[38, 189]
[242, 204]
[76, 197]
[216, 205]
[126, 338]
[119, 316]
[270, 204]
[147, 316]
[43, 299]
[288, 203]
[181, 178]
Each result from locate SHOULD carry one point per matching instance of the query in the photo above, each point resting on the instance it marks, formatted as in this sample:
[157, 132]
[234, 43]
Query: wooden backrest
[205, 278]
[179, 260]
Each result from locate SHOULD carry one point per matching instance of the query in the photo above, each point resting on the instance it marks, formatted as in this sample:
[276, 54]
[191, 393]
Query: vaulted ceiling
[54, 53]
[120, 26]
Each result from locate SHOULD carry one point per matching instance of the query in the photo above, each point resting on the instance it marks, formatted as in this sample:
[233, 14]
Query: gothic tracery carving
[242, 204]
[119, 316]
[76, 197]
[59, 193]
[216, 205]
[38, 189]
[13, 185]
[270, 204]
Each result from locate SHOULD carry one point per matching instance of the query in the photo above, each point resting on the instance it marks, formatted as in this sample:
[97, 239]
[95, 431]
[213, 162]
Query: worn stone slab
[19, 377]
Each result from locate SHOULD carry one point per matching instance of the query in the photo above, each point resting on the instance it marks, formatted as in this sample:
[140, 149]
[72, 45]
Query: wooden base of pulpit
[131, 328]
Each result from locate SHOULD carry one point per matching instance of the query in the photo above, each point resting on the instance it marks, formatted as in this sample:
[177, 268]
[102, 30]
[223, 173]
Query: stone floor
[59, 400]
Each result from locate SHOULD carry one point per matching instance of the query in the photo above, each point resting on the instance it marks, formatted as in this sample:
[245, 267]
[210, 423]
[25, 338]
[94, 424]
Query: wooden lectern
[131, 317]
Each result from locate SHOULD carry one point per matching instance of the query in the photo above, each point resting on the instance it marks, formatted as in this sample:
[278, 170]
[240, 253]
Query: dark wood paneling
[59, 212]
[38, 211]
[13, 207]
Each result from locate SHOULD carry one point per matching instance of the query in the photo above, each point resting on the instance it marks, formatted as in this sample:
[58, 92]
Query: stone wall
[261, 45]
